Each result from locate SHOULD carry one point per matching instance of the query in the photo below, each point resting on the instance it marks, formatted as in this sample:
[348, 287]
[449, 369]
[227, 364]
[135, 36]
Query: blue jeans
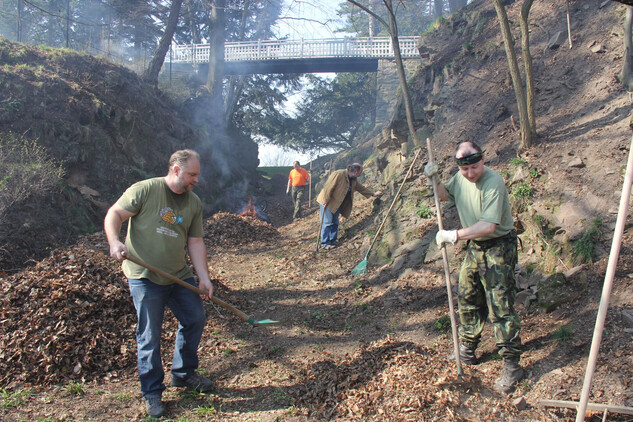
[150, 300]
[329, 228]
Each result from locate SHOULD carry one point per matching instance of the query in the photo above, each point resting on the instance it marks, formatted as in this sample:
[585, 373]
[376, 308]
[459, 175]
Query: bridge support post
[387, 84]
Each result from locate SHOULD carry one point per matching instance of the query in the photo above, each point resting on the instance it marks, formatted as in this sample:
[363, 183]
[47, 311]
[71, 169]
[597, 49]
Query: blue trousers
[329, 228]
[150, 300]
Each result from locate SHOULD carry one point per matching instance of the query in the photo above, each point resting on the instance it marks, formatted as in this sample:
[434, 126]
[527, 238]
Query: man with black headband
[486, 279]
[337, 198]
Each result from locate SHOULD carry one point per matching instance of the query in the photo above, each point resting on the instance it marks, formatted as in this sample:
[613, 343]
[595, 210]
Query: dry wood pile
[68, 317]
[395, 381]
[227, 230]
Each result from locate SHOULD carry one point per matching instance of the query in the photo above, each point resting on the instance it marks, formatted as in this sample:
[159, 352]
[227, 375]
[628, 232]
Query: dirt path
[352, 348]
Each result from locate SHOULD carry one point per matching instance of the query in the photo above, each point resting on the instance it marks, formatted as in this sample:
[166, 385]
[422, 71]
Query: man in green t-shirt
[486, 279]
[165, 221]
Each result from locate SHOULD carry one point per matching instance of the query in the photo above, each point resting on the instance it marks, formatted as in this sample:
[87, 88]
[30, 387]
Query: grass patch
[423, 211]
[583, 249]
[206, 410]
[523, 190]
[123, 396]
[522, 194]
[563, 334]
[13, 399]
[443, 324]
[75, 388]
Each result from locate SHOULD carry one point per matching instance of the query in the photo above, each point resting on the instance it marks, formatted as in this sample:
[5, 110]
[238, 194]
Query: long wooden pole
[623, 410]
[195, 289]
[447, 272]
[606, 288]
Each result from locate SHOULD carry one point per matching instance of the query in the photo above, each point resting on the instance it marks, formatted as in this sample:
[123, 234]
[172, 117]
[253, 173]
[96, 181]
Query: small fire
[250, 209]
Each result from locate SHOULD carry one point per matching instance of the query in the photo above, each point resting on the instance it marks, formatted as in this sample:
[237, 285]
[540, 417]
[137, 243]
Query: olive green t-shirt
[486, 200]
[158, 232]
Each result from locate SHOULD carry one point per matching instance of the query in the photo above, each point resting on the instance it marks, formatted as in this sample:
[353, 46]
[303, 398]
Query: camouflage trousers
[297, 195]
[487, 288]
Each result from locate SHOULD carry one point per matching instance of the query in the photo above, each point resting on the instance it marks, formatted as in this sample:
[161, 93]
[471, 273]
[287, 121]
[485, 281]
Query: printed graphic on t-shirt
[166, 231]
[168, 215]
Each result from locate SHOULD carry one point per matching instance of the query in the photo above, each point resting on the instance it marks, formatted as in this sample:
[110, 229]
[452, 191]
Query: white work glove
[431, 169]
[445, 236]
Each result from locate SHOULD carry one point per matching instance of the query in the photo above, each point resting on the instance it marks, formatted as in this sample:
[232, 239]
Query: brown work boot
[512, 373]
[466, 355]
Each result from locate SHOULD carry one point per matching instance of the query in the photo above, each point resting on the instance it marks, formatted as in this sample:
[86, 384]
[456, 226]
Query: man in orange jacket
[297, 180]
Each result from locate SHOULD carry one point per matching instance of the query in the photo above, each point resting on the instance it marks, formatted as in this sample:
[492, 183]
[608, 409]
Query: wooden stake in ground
[569, 25]
[447, 272]
[310, 186]
[606, 288]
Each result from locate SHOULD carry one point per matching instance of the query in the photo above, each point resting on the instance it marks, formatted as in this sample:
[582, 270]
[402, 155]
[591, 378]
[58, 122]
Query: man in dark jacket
[337, 198]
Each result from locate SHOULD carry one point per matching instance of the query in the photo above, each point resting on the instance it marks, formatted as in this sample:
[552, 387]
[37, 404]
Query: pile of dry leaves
[395, 381]
[226, 230]
[68, 316]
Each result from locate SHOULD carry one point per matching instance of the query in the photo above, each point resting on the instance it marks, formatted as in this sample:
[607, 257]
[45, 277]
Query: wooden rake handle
[201, 292]
[395, 198]
[447, 272]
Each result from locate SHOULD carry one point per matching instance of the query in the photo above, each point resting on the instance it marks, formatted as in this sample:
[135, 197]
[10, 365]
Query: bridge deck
[297, 50]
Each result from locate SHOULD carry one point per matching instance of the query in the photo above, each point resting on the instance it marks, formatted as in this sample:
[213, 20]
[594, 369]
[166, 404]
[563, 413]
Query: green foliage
[522, 193]
[563, 334]
[523, 190]
[331, 115]
[436, 24]
[582, 251]
[319, 315]
[479, 25]
[123, 396]
[75, 388]
[10, 105]
[206, 410]
[517, 161]
[443, 324]
[423, 211]
[13, 399]
[26, 171]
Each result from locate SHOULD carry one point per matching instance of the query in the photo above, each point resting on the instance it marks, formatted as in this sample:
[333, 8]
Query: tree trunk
[236, 83]
[438, 8]
[393, 31]
[455, 5]
[517, 83]
[527, 62]
[151, 74]
[216, 56]
[392, 27]
[18, 27]
[627, 66]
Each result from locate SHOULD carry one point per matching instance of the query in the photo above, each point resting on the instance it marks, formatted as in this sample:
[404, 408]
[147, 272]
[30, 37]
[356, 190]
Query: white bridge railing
[298, 49]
